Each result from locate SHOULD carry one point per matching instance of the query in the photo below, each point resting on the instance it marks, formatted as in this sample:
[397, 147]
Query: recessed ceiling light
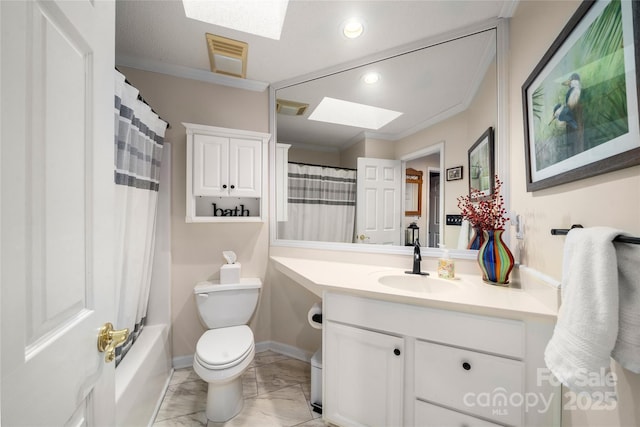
[371, 78]
[348, 113]
[352, 29]
[262, 18]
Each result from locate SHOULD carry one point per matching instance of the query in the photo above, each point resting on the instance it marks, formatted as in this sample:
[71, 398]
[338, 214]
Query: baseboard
[284, 349]
[180, 362]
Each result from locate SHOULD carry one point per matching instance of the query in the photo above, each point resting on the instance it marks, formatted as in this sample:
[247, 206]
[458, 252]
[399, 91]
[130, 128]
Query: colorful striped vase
[476, 239]
[495, 258]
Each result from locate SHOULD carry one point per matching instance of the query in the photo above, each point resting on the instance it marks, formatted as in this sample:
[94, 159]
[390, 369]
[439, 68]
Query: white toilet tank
[221, 306]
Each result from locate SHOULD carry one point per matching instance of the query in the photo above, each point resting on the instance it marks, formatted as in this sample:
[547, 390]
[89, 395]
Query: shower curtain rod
[140, 98]
[321, 166]
[621, 239]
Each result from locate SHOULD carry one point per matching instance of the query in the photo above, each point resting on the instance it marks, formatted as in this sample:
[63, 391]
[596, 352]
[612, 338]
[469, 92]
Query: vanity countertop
[468, 292]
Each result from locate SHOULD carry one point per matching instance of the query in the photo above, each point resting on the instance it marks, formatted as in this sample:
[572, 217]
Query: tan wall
[349, 156]
[197, 248]
[379, 149]
[612, 199]
[314, 157]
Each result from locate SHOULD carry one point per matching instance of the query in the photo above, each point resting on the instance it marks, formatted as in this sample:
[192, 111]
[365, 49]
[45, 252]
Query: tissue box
[230, 273]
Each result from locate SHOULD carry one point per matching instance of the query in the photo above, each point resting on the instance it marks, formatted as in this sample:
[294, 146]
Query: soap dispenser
[446, 267]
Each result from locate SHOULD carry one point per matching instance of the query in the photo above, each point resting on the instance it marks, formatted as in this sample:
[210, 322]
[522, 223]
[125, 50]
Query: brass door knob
[109, 339]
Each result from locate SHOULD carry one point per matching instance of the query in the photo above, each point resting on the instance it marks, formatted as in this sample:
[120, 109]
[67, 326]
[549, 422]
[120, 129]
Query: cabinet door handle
[224, 186]
[233, 186]
[396, 352]
[466, 366]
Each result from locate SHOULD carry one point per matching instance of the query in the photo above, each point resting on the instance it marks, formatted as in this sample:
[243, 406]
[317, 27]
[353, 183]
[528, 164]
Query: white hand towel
[627, 347]
[579, 351]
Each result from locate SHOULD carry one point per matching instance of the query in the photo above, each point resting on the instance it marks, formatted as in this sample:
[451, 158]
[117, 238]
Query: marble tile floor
[277, 390]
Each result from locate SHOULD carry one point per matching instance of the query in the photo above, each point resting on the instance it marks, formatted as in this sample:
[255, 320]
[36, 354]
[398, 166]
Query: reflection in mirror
[446, 96]
[413, 192]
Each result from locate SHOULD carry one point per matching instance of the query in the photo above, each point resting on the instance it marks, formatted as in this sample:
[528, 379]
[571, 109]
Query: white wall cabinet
[282, 181]
[397, 364]
[226, 173]
[365, 381]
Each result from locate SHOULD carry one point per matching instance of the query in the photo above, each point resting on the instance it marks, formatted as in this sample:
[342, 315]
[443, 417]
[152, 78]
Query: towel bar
[621, 239]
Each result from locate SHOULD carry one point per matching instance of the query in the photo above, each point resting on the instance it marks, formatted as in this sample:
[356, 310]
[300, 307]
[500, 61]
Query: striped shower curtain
[322, 204]
[139, 136]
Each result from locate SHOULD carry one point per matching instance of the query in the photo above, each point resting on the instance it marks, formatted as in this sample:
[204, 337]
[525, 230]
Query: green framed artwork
[581, 101]
[482, 166]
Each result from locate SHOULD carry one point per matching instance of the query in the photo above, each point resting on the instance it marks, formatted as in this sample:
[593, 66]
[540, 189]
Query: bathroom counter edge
[469, 293]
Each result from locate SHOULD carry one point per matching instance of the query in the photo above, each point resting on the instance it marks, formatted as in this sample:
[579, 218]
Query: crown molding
[190, 73]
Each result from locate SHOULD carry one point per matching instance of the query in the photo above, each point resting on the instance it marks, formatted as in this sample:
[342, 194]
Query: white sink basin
[416, 283]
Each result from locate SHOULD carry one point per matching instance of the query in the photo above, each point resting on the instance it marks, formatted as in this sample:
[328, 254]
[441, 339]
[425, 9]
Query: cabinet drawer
[473, 382]
[428, 415]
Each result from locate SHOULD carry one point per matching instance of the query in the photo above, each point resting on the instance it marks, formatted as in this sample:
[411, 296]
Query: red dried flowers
[486, 212]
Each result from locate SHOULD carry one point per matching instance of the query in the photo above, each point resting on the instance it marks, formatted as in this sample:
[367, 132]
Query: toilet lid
[225, 347]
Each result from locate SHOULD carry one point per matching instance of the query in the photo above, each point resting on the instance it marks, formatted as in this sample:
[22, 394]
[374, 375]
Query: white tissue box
[230, 273]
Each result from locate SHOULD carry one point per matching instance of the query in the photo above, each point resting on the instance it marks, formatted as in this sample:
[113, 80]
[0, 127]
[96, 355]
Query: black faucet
[417, 258]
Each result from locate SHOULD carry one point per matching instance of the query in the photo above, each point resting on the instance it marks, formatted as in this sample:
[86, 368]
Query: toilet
[226, 349]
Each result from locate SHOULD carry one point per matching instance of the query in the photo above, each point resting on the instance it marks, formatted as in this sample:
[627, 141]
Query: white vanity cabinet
[450, 369]
[226, 171]
[365, 382]
[282, 181]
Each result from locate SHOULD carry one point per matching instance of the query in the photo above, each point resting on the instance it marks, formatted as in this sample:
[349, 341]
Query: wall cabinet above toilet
[225, 174]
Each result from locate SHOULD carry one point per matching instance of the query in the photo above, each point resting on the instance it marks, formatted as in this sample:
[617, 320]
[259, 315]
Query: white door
[210, 165]
[364, 377]
[378, 205]
[56, 193]
[245, 167]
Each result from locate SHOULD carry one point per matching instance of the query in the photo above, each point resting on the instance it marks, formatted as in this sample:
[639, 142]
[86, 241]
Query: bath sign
[236, 211]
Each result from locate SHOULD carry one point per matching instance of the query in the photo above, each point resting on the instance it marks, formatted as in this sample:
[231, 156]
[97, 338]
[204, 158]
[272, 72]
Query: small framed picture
[454, 174]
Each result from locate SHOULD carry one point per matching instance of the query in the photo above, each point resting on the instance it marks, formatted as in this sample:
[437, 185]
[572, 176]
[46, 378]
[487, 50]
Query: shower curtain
[322, 204]
[139, 136]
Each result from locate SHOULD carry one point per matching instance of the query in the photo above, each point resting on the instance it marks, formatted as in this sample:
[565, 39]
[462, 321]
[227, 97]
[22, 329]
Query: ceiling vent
[290, 108]
[227, 56]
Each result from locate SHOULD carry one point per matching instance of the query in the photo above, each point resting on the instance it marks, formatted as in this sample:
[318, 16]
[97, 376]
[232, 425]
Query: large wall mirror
[347, 184]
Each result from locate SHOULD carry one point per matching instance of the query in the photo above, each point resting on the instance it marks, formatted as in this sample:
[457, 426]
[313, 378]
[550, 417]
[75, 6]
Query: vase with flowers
[487, 216]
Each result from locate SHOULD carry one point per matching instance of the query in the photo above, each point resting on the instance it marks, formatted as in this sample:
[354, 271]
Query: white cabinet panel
[364, 382]
[428, 415]
[210, 165]
[473, 382]
[245, 172]
[282, 181]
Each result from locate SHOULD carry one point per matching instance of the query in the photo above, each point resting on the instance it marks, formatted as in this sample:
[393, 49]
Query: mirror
[413, 192]
[447, 92]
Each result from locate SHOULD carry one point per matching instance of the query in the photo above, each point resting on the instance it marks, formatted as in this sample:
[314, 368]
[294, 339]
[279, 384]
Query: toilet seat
[224, 348]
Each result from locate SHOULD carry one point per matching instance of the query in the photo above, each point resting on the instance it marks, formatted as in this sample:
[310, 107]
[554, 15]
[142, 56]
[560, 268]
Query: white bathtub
[143, 377]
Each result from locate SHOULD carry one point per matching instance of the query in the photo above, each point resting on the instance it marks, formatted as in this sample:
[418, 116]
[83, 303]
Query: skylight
[347, 113]
[260, 17]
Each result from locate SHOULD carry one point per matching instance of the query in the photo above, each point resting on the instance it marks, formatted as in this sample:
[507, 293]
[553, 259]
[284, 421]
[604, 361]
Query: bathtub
[143, 377]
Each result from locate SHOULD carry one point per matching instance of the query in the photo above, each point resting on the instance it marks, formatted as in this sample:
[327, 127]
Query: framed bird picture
[581, 101]
[482, 167]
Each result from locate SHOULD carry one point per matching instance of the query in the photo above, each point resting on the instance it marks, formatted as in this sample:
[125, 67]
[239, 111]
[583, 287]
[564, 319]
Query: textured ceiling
[156, 36]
